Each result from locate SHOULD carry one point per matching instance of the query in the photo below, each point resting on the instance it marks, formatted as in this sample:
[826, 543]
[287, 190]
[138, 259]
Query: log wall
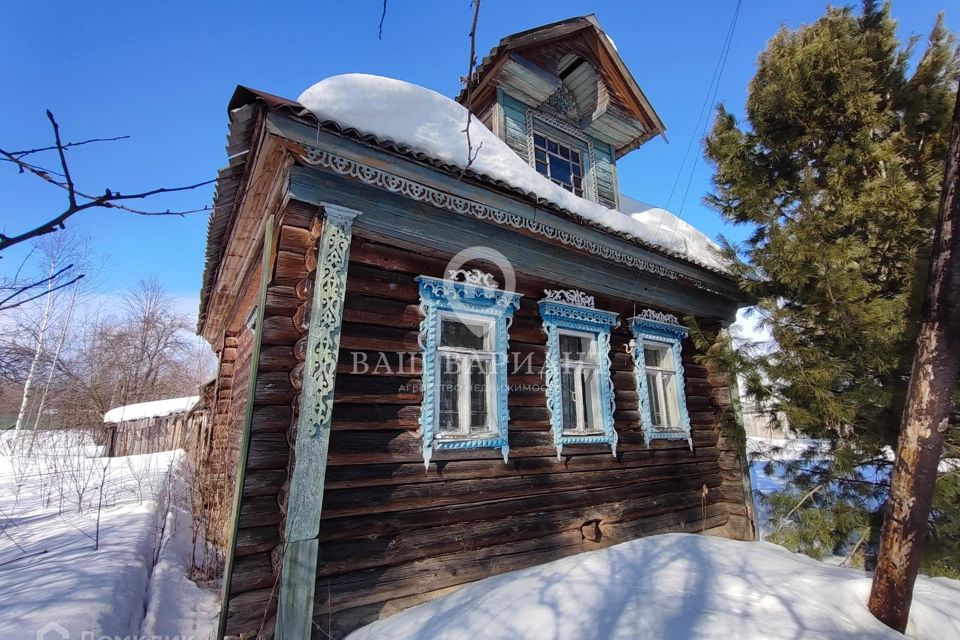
[393, 533]
[259, 531]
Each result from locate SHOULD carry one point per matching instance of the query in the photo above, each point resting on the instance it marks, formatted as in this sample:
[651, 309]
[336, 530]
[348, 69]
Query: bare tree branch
[383, 16]
[18, 290]
[68, 145]
[109, 199]
[71, 193]
[471, 155]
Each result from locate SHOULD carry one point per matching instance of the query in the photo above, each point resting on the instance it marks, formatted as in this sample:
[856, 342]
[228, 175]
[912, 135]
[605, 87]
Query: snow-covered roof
[431, 123]
[153, 409]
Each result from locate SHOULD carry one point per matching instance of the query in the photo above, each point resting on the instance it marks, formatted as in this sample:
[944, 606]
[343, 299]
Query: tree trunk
[38, 353]
[55, 358]
[926, 414]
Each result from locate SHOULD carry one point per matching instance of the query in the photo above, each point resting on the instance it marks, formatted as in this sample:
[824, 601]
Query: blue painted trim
[557, 316]
[438, 295]
[668, 334]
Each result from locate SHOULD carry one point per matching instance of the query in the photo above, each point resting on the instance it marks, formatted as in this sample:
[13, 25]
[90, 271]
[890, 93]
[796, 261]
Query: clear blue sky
[162, 72]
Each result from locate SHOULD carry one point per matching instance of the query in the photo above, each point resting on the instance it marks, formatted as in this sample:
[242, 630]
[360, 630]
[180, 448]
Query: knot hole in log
[590, 530]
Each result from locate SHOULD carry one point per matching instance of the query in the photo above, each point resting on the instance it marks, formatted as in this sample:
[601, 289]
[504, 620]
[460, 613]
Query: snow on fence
[149, 427]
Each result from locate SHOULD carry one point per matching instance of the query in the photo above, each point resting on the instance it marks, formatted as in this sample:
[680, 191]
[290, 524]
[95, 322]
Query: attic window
[558, 162]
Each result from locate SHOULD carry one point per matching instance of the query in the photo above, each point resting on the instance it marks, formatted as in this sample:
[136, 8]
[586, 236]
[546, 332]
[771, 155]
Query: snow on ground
[177, 606]
[672, 586]
[154, 409]
[50, 571]
[426, 121]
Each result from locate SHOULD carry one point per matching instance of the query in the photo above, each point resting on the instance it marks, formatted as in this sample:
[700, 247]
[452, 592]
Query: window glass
[462, 335]
[579, 382]
[558, 162]
[661, 386]
[591, 398]
[577, 347]
[449, 395]
[478, 396]
[568, 397]
[466, 370]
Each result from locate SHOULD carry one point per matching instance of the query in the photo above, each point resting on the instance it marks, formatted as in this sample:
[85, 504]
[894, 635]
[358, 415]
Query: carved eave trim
[540, 226]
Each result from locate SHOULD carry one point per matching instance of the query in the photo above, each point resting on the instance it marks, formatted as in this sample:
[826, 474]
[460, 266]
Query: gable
[570, 68]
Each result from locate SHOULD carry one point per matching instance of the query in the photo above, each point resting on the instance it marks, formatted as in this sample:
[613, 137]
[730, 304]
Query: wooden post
[926, 412]
[305, 499]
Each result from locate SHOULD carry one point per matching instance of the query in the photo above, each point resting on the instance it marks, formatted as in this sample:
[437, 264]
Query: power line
[708, 102]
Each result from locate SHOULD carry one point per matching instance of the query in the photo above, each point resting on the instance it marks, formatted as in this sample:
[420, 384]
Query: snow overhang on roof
[153, 409]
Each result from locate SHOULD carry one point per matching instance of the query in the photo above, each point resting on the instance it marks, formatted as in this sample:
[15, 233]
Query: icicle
[506, 452]
[427, 453]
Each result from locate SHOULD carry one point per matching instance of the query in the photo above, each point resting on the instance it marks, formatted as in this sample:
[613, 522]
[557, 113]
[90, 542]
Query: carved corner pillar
[298, 574]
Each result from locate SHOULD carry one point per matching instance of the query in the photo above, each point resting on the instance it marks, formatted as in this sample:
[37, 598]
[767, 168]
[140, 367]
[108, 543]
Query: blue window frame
[659, 373]
[577, 369]
[463, 337]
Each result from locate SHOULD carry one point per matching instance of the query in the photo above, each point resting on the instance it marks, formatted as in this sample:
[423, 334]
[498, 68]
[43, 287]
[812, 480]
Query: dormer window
[560, 163]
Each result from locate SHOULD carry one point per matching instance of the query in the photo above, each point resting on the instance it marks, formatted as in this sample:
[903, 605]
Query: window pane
[576, 170]
[656, 356]
[551, 146]
[478, 396]
[656, 411]
[591, 398]
[568, 399]
[560, 169]
[670, 414]
[539, 140]
[449, 418]
[542, 168]
[540, 155]
[574, 347]
[575, 156]
[454, 333]
[564, 152]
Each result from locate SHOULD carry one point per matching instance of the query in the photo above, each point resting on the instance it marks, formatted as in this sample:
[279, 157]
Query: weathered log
[279, 330]
[289, 269]
[273, 387]
[252, 572]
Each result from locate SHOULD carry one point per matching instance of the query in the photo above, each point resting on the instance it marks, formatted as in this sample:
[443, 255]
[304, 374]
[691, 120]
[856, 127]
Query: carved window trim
[471, 298]
[661, 329]
[532, 116]
[560, 316]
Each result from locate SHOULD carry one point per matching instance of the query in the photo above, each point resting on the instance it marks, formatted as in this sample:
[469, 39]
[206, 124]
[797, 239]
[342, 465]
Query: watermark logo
[53, 631]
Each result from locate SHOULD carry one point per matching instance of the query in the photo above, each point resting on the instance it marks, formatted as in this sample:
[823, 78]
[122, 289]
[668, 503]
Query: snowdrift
[673, 586]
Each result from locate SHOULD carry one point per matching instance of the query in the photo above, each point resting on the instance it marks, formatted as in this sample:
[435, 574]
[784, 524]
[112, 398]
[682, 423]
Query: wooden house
[434, 369]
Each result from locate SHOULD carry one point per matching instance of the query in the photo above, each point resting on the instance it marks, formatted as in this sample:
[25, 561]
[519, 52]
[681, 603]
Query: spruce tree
[836, 171]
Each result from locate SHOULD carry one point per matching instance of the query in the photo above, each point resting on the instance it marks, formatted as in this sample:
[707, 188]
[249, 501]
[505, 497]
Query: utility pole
[926, 413]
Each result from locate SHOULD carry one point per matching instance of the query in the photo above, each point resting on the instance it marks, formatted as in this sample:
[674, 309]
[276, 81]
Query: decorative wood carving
[295, 612]
[422, 193]
[570, 296]
[561, 315]
[657, 326]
